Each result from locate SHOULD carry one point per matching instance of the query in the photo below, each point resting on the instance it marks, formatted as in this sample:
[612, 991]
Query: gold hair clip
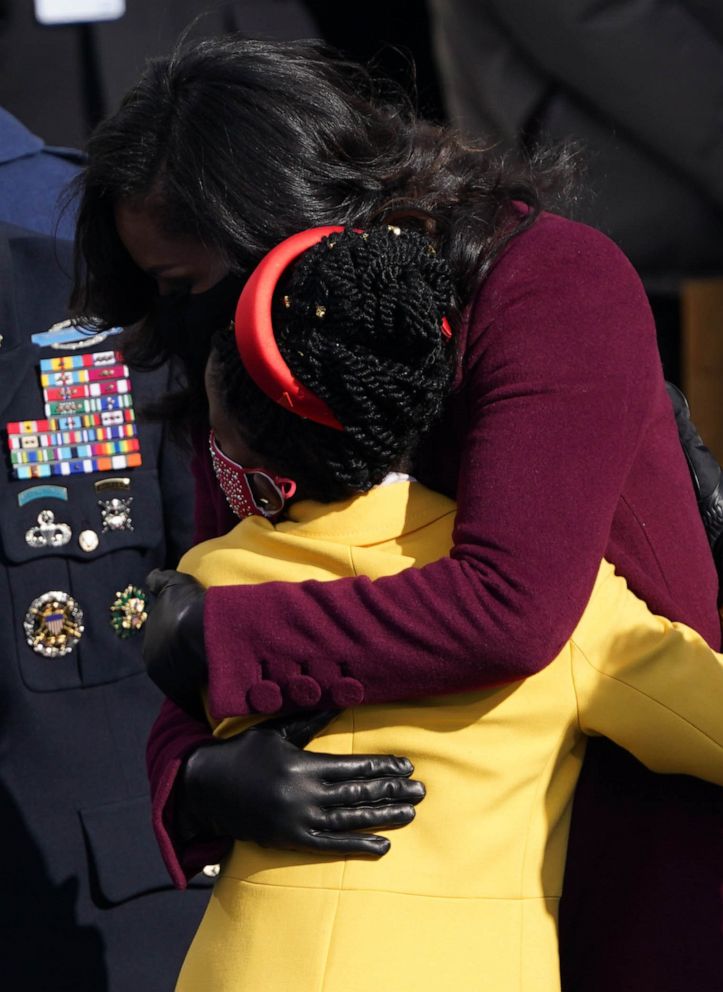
[393, 229]
[287, 302]
[320, 311]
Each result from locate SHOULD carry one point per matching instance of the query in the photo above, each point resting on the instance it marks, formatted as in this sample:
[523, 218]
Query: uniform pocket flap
[67, 517]
[124, 856]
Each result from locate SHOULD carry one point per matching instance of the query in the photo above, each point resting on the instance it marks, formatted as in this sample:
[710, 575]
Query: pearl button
[88, 540]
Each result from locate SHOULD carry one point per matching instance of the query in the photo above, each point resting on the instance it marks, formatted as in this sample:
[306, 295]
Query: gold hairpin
[320, 311]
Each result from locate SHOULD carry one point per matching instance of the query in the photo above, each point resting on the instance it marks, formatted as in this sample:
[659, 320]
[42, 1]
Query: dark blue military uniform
[86, 902]
[33, 179]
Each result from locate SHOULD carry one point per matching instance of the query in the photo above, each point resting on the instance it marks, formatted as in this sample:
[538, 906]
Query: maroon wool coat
[560, 446]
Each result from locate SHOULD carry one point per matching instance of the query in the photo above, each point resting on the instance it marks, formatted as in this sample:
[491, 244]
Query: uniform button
[88, 540]
[211, 871]
[304, 691]
[264, 697]
[347, 692]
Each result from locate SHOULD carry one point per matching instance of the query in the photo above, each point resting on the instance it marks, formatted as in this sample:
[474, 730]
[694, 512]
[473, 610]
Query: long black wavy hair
[358, 320]
[246, 142]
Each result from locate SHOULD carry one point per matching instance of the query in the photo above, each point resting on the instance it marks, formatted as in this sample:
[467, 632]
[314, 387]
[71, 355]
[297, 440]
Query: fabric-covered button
[347, 692]
[264, 697]
[304, 691]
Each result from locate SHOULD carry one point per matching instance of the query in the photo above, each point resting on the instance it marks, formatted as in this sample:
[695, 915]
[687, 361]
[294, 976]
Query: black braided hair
[358, 321]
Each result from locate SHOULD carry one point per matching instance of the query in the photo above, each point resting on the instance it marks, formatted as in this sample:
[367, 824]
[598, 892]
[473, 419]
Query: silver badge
[116, 513]
[48, 533]
[53, 624]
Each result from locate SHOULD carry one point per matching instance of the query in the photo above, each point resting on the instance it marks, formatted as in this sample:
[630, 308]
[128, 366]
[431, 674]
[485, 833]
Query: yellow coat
[467, 897]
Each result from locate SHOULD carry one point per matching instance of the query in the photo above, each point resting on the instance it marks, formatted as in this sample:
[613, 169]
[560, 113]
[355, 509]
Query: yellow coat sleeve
[652, 686]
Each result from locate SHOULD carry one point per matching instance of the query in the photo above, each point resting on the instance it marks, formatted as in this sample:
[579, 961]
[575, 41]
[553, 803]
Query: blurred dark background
[638, 85]
[61, 80]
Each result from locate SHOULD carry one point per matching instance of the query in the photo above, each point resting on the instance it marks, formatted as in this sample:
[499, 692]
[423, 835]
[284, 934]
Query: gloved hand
[261, 786]
[705, 472]
[173, 647]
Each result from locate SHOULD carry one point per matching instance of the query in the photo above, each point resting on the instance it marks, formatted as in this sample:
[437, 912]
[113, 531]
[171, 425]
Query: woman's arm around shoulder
[174, 736]
[558, 369]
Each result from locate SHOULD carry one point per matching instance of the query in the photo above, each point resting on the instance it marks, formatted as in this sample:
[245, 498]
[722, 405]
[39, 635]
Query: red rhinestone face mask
[249, 491]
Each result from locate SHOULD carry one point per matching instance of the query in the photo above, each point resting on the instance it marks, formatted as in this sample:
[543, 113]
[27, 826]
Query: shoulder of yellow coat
[399, 525]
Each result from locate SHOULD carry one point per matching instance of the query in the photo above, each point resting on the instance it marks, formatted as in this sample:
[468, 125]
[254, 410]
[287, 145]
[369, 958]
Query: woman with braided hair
[557, 440]
[362, 330]
[360, 323]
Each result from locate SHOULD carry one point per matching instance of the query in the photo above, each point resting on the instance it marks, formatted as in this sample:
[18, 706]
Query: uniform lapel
[27, 304]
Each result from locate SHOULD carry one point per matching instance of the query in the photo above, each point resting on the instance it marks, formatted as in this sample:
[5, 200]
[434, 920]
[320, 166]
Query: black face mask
[187, 321]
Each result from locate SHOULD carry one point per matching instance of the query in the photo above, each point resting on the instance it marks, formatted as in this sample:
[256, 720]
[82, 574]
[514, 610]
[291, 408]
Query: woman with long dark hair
[558, 442]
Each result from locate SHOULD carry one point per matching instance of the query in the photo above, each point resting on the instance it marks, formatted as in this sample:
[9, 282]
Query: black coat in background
[61, 80]
[638, 83]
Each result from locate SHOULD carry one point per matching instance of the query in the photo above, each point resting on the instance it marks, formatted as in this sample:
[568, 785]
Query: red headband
[255, 333]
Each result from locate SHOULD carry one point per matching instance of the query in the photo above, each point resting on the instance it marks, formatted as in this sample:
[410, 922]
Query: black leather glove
[705, 472]
[173, 647]
[261, 786]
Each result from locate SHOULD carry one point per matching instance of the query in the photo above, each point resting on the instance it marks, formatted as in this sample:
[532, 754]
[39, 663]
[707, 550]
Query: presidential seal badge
[128, 611]
[53, 624]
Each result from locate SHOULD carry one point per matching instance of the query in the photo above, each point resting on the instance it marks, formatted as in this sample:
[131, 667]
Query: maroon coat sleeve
[559, 369]
[173, 736]
[557, 372]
